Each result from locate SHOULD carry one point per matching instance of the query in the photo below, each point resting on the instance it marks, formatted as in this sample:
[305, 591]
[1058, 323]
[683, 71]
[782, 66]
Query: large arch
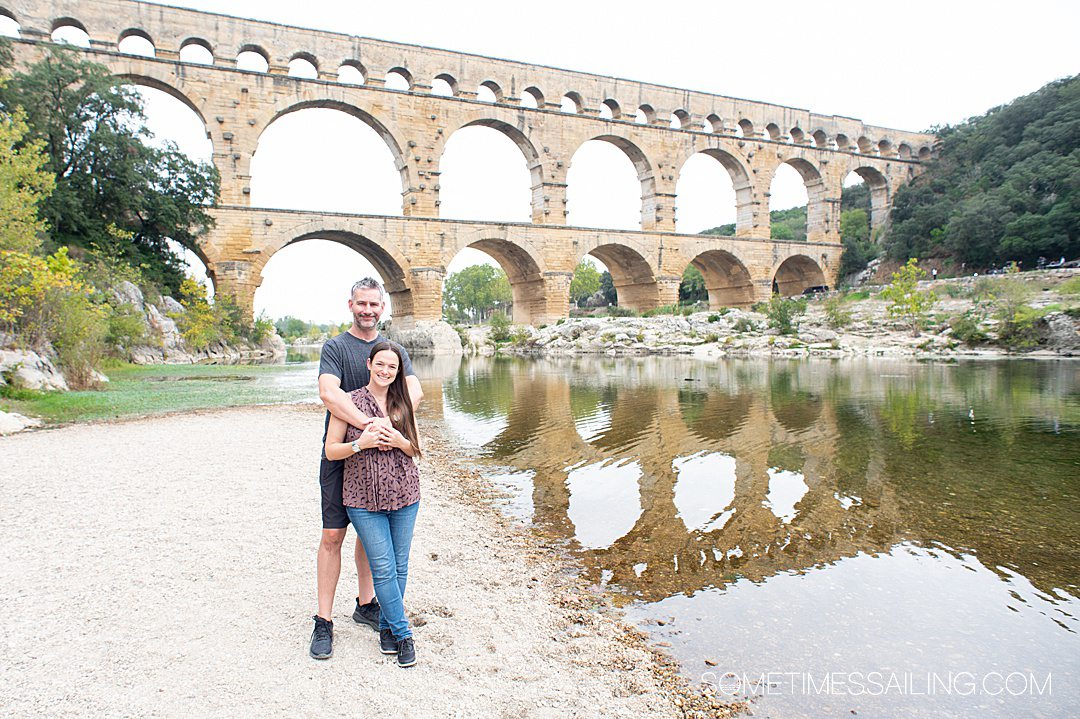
[524, 272]
[381, 128]
[642, 166]
[633, 276]
[879, 194]
[328, 157]
[389, 263]
[156, 83]
[502, 200]
[815, 196]
[726, 278]
[741, 186]
[795, 274]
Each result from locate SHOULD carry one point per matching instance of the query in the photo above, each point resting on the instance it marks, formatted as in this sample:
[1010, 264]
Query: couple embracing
[368, 474]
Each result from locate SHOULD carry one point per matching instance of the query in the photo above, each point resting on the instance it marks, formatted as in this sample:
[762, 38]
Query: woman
[382, 489]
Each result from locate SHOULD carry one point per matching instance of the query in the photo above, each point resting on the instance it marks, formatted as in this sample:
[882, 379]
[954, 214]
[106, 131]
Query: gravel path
[166, 567]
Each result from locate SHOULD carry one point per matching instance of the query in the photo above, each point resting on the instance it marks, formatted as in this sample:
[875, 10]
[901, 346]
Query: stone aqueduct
[411, 251]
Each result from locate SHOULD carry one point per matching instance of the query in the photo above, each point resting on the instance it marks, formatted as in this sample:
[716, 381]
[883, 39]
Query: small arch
[843, 142]
[774, 132]
[726, 279]
[398, 78]
[68, 30]
[572, 103]
[646, 115]
[885, 148]
[821, 139]
[680, 120]
[9, 25]
[795, 274]
[610, 110]
[134, 41]
[253, 58]
[304, 65]
[196, 51]
[904, 151]
[925, 153]
[444, 85]
[866, 147]
[351, 72]
[713, 123]
[489, 91]
[532, 98]
[746, 128]
[797, 135]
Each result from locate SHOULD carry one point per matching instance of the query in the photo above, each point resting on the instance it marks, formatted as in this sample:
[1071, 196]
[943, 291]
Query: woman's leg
[402, 522]
[373, 528]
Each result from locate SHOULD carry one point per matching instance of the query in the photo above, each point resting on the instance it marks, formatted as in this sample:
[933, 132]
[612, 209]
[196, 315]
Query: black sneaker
[387, 643]
[322, 639]
[406, 652]
[367, 613]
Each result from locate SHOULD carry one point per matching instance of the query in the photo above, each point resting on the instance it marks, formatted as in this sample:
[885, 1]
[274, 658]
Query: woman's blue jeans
[387, 537]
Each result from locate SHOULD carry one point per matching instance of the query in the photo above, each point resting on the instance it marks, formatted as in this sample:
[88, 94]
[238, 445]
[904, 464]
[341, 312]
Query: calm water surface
[886, 538]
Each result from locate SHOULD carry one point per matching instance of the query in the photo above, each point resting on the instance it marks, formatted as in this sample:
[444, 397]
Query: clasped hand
[381, 434]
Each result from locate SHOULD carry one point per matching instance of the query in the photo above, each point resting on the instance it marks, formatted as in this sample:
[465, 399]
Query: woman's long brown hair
[398, 401]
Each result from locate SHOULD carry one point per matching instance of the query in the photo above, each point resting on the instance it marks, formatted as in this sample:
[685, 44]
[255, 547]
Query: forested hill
[1005, 186]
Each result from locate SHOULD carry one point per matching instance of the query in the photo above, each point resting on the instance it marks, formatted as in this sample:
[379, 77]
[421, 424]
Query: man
[343, 369]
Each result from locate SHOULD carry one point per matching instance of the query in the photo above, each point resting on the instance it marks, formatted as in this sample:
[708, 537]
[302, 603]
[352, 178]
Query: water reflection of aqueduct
[673, 546]
[547, 113]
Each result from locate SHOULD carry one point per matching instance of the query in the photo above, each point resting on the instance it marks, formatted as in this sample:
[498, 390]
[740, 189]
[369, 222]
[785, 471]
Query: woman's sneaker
[387, 643]
[367, 613]
[406, 652]
[322, 639]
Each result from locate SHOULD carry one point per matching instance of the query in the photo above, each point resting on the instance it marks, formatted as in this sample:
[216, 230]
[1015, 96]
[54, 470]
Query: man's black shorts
[331, 474]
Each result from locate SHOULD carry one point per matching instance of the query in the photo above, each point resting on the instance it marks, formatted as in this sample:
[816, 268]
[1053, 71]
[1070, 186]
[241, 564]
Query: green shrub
[616, 311]
[744, 324]
[836, 314]
[1070, 286]
[949, 290]
[669, 310]
[760, 307]
[520, 337]
[262, 328]
[1020, 330]
[126, 327]
[784, 313]
[967, 328]
[500, 327]
[857, 296]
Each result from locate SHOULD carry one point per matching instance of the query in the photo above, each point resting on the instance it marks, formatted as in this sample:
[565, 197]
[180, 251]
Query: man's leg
[329, 569]
[366, 591]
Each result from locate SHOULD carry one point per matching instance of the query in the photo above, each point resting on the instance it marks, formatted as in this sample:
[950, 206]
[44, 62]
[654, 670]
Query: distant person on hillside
[343, 369]
[382, 488]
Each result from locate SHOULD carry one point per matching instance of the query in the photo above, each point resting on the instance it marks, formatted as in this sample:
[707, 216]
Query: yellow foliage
[24, 184]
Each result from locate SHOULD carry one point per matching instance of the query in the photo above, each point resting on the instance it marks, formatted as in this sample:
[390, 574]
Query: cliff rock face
[427, 338]
[26, 369]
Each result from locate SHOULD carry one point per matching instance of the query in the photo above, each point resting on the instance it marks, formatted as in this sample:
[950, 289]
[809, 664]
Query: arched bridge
[658, 128]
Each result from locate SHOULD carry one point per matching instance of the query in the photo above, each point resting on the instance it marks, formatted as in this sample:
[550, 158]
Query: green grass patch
[857, 296]
[137, 391]
[1070, 286]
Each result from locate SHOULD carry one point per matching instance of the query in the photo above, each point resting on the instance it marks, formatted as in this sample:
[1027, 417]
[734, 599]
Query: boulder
[427, 338]
[29, 370]
[10, 422]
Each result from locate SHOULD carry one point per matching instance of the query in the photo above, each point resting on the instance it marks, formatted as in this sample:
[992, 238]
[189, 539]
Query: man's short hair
[368, 283]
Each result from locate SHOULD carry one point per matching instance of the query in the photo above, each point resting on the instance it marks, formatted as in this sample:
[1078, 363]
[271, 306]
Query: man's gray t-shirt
[345, 357]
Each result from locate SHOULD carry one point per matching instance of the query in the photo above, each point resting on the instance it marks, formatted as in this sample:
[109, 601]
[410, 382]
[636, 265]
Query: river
[824, 538]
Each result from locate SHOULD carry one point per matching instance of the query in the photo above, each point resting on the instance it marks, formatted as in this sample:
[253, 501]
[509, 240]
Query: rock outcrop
[427, 338]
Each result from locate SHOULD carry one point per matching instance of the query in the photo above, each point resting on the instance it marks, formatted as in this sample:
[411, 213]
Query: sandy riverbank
[165, 567]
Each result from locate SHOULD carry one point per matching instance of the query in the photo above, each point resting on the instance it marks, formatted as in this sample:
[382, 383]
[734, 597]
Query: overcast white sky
[907, 66]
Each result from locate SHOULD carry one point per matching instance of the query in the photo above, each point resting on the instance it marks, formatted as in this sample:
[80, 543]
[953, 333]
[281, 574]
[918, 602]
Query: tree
[91, 126]
[855, 236]
[585, 283]
[24, 184]
[692, 288]
[474, 292]
[607, 286]
[905, 299]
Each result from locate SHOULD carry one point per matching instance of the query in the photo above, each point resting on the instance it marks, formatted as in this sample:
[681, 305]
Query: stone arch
[865, 145]
[925, 152]
[196, 42]
[680, 119]
[70, 22]
[495, 89]
[646, 115]
[741, 184]
[795, 274]
[403, 73]
[528, 149]
[726, 278]
[885, 147]
[450, 80]
[843, 142]
[299, 70]
[613, 107]
[746, 128]
[713, 123]
[821, 139]
[573, 103]
[879, 194]
[256, 50]
[536, 95]
[354, 72]
[774, 131]
[637, 157]
[797, 135]
[139, 34]
[903, 151]
[9, 24]
[524, 269]
[632, 274]
[815, 196]
[169, 89]
[290, 106]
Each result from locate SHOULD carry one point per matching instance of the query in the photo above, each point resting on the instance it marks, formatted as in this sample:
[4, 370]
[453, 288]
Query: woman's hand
[370, 437]
[390, 437]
